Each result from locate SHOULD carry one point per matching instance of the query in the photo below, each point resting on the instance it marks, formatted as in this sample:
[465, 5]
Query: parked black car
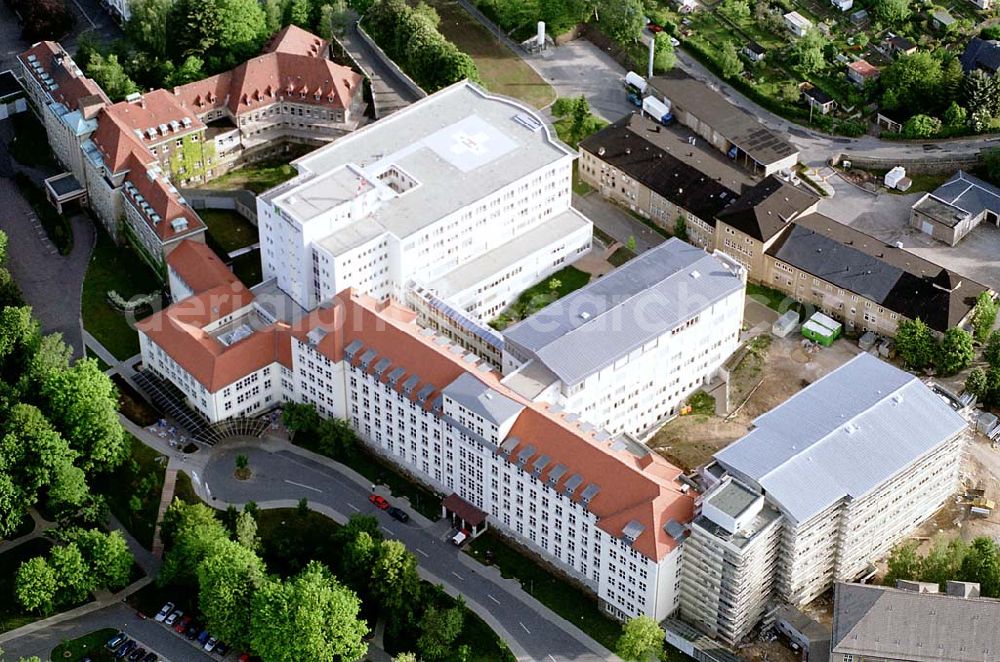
[398, 514]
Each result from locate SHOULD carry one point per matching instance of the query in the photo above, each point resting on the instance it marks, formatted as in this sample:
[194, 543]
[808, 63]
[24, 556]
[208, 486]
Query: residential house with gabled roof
[982, 54]
[860, 72]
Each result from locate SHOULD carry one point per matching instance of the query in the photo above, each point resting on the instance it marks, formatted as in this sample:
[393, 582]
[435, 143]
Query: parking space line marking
[492, 598]
[386, 529]
[423, 553]
[458, 575]
[354, 508]
[525, 629]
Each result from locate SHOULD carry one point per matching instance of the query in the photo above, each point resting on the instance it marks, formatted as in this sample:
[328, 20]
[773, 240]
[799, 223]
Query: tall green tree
[904, 563]
[246, 531]
[193, 531]
[641, 640]
[982, 565]
[83, 405]
[147, 26]
[984, 315]
[109, 73]
[981, 93]
[395, 582]
[439, 628]
[944, 561]
[991, 349]
[192, 69]
[975, 383]
[228, 577]
[915, 344]
[623, 20]
[956, 351]
[297, 13]
[357, 561]
[107, 555]
[664, 57]
[193, 26]
[729, 60]
[74, 581]
[807, 51]
[35, 586]
[912, 81]
[891, 12]
[308, 617]
[921, 126]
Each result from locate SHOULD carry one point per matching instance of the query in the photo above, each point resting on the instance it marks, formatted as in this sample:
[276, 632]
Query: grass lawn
[132, 404]
[259, 177]
[184, 490]
[229, 229]
[538, 296]
[100, 362]
[621, 256]
[90, 646]
[702, 403]
[137, 482]
[247, 268]
[774, 299]
[570, 602]
[11, 615]
[501, 70]
[26, 147]
[114, 268]
[56, 226]
[579, 186]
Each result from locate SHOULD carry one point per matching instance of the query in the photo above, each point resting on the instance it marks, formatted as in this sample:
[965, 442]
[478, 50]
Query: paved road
[51, 284]
[615, 222]
[532, 631]
[389, 91]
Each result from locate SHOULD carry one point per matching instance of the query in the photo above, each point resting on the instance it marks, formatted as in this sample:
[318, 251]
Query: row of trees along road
[313, 611]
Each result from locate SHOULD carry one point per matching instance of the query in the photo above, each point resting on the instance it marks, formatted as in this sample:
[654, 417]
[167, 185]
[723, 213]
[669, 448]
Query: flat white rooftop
[509, 254]
[460, 145]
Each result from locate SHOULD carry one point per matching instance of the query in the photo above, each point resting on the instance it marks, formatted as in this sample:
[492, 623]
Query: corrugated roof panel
[842, 436]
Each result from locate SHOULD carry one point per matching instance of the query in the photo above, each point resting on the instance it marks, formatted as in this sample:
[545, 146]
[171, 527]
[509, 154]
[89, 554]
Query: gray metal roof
[842, 436]
[593, 327]
[888, 623]
[479, 398]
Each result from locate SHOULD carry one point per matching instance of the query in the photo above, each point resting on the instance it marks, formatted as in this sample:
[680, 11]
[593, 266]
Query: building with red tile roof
[129, 156]
[193, 268]
[610, 513]
[64, 99]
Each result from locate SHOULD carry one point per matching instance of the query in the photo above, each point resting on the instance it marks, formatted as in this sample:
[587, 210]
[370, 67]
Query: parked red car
[379, 502]
[654, 27]
[182, 624]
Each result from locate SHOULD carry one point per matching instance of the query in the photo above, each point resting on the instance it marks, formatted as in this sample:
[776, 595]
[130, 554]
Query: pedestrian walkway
[41, 526]
[166, 497]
